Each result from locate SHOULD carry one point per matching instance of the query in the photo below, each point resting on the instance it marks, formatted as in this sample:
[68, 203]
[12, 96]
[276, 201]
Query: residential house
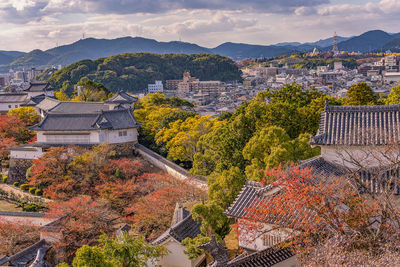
[183, 226]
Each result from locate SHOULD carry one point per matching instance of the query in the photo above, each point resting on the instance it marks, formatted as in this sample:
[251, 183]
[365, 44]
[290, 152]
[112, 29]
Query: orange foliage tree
[16, 237]
[327, 216]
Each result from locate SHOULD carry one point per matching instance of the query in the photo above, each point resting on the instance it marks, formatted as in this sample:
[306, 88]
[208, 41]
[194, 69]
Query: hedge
[24, 187]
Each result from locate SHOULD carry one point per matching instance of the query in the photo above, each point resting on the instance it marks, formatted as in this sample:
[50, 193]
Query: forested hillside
[132, 72]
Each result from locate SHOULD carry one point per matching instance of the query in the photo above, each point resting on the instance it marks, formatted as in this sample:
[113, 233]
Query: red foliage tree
[16, 237]
[322, 212]
[81, 220]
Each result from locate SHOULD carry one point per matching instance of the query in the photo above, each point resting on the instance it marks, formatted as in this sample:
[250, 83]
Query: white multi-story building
[156, 87]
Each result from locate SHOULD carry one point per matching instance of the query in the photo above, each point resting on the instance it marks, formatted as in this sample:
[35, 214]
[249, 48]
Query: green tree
[224, 187]
[272, 146]
[90, 91]
[121, 251]
[191, 246]
[394, 96]
[360, 94]
[212, 219]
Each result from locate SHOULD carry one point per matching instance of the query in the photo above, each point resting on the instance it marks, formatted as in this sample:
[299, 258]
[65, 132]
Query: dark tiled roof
[13, 97]
[253, 194]
[47, 103]
[320, 167]
[121, 98]
[187, 227]
[112, 119]
[358, 125]
[247, 198]
[66, 107]
[264, 258]
[27, 255]
[38, 87]
[35, 100]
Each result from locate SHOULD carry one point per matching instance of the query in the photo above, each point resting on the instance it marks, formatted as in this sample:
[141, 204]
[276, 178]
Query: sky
[42, 24]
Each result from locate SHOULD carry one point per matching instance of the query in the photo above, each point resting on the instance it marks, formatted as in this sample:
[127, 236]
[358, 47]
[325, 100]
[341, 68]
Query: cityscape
[267, 136]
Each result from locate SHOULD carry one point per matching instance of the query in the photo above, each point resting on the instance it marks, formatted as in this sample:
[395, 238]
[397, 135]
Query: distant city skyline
[42, 24]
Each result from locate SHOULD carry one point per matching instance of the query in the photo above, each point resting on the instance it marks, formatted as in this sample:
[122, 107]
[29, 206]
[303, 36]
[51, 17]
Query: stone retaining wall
[169, 167]
[17, 170]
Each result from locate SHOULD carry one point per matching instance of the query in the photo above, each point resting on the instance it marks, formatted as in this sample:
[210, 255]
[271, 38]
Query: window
[270, 240]
[16, 106]
[9, 106]
[123, 133]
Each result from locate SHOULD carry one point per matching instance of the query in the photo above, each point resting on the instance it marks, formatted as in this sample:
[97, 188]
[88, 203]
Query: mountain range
[92, 48]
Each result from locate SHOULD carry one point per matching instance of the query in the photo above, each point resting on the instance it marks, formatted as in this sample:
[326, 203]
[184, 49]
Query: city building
[157, 87]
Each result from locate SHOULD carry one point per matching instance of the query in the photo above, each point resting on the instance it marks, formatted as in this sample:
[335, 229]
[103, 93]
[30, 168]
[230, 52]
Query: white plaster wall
[5, 106]
[368, 156]
[176, 257]
[21, 154]
[257, 244]
[114, 138]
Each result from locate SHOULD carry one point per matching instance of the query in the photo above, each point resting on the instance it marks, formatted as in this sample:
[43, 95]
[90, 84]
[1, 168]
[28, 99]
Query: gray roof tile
[358, 125]
[121, 98]
[66, 107]
[111, 119]
[38, 87]
[187, 227]
[264, 258]
[13, 97]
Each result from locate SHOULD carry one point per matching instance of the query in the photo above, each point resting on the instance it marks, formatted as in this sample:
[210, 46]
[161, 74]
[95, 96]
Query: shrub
[4, 178]
[28, 172]
[38, 192]
[24, 187]
[32, 190]
[16, 184]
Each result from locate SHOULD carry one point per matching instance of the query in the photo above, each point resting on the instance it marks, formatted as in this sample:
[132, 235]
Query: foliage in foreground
[122, 251]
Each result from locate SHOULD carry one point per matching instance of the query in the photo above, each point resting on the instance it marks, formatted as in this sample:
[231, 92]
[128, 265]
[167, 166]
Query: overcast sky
[41, 24]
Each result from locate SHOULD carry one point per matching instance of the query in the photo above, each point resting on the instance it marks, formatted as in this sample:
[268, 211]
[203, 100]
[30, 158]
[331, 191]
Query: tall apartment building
[391, 64]
[156, 87]
[191, 84]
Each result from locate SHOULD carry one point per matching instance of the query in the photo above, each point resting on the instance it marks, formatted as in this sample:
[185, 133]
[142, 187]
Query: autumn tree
[16, 237]
[328, 217]
[394, 96]
[80, 221]
[181, 137]
[360, 94]
[13, 127]
[27, 115]
[124, 250]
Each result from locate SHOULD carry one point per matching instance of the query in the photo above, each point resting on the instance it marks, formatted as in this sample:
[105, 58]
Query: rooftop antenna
[83, 36]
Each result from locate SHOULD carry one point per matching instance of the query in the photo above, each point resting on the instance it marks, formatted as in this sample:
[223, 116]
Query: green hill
[134, 71]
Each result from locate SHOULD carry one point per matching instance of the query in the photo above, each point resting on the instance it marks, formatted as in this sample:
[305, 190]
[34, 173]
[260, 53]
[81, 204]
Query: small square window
[9, 106]
[16, 106]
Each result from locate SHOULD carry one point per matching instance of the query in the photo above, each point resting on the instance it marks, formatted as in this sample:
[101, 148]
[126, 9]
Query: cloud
[22, 11]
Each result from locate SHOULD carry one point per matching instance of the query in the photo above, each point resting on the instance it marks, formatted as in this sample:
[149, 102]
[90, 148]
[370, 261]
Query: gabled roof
[264, 258]
[13, 97]
[182, 229]
[250, 195]
[321, 167]
[38, 87]
[358, 125]
[254, 193]
[27, 255]
[34, 101]
[71, 107]
[121, 98]
[48, 103]
[111, 119]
